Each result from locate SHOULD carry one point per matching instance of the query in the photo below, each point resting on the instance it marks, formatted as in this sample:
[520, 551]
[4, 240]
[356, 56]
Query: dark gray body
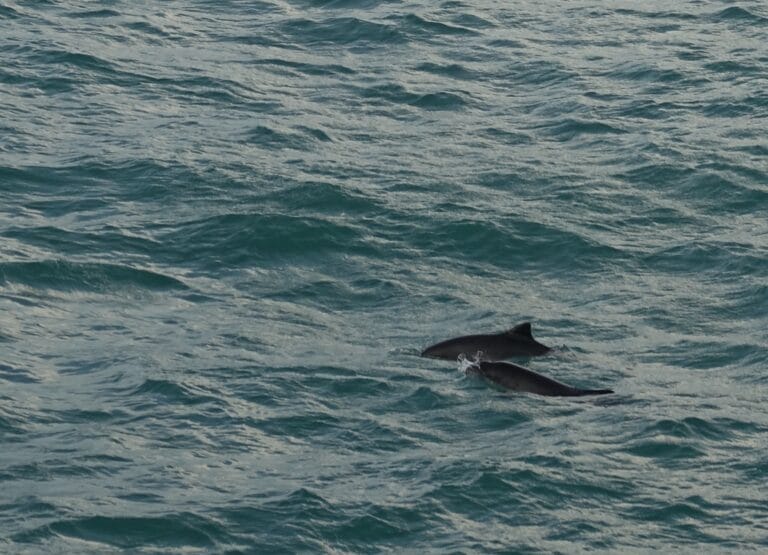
[512, 343]
[517, 378]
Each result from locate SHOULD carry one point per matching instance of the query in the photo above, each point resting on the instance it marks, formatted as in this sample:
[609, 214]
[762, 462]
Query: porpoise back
[516, 342]
[516, 378]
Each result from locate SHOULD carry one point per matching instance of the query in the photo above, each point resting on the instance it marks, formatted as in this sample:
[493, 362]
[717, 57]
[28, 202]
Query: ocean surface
[228, 229]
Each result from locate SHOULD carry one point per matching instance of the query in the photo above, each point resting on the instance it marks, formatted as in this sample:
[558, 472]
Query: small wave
[304, 139]
[739, 14]
[542, 73]
[172, 392]
[336, 294]
[419, 26]
[675, 16]
[703, 257]
[472, 22]
[733, 68]
[346, 4]
[306, 68]
[341, 31]
[440, 101]
[423, 398]
[74, 60]
[94, 14]
[666, 452]
[321, 197]
[147, 29]
[95, 277]
[455, 71]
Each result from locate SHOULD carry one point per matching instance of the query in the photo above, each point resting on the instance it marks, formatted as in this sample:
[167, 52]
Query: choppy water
[228, 228]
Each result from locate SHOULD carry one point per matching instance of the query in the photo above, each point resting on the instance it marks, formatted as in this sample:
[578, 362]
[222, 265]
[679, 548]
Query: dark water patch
[540, 73]
[472, 22]
[357, 434]
[147, 29]
[95, 277]
[475, 492]
[705, 355]
[66, 242]
[320, 197]
[55, 208]
[689, 510]
[440, 101]
[31, 506]
[397, 94]
[12, 427]
[16, 375]
[454, 71]
[245, 342]
[753, 174]
[307, 426]
[494, 419]
[506, 137]
[144, 497]
[726, 109]
[216, 91]
[87, 416]
[315, 132]
[50, 84]
[647, 109]
[94, 183]
[518, 244]
[657, 175]
[341, 31]
[703, 186]
[645, 73]
[389, 525]
[305, 68]
[506, 43]
[296, 521]
[335, 294]
[267, 137]
[570, 129]
[173, 531]
[241, 239]
[7, 12]
[423, 398]
[670, 15]
[73, 60]
[346, 4]
[51, 469]
[692, 53]
[347, 387]
[690, 427]
[390, 93]
[710, 355]
[666, 453]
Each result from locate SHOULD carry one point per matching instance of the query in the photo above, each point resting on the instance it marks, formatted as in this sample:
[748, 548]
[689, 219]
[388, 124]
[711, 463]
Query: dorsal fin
[523, 329]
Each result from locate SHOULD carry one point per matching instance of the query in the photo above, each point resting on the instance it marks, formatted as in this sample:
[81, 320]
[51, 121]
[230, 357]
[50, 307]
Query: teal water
[227, 229]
